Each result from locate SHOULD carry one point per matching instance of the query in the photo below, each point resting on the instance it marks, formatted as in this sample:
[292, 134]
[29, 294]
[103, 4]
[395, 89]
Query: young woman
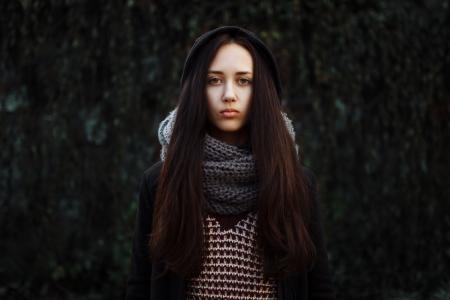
[229, 212]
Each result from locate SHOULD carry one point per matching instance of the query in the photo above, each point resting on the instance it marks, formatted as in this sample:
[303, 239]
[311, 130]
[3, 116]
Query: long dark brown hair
[283, 203]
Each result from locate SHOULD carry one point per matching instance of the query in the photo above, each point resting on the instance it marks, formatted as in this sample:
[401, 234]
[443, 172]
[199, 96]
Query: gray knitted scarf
[229, 177]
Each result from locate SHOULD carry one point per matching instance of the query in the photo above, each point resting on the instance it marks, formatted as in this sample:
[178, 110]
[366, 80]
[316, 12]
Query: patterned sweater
[141, 285]
[232, 268]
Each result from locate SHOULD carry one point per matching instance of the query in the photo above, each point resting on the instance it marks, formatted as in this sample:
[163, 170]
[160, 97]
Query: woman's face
[229, 87]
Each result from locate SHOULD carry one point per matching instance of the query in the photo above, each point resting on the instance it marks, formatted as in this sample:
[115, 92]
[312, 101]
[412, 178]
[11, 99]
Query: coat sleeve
[138, 281]
[320, 281]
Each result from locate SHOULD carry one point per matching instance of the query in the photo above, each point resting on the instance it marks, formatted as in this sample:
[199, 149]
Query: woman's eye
[213, 80]
[244, 81]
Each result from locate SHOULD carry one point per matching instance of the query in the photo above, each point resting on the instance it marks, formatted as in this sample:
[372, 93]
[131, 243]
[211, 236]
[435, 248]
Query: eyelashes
[213, 81]
[217, 81]
[246, 81]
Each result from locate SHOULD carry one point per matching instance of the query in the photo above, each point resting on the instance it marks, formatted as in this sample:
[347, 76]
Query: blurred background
[84, 85]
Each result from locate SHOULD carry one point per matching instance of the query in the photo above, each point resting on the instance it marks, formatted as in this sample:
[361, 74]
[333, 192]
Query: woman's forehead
[232, 57]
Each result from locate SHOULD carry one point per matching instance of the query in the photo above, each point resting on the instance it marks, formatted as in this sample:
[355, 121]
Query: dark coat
[315, 284]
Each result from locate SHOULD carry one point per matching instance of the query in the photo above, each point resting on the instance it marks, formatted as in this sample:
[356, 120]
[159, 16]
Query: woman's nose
[229, 93]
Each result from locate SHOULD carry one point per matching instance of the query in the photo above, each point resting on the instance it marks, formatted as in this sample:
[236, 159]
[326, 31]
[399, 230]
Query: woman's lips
[229, 113]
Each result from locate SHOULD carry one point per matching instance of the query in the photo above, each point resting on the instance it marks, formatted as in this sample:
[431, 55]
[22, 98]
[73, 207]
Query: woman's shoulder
[310, 178]
[151, 174]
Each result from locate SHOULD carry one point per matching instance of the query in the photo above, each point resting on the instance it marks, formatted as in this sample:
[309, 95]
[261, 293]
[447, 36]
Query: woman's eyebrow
[239, 73]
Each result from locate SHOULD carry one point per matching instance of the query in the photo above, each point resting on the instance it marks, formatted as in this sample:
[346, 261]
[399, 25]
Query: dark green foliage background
[84, 85]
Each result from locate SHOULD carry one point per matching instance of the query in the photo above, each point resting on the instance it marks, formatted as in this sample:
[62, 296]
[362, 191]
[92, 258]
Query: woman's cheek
[213, 95]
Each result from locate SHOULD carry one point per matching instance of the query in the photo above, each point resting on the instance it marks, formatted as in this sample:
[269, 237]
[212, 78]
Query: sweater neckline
[247, 216]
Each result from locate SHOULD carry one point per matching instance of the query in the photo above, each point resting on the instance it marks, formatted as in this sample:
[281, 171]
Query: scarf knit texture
[229, 175]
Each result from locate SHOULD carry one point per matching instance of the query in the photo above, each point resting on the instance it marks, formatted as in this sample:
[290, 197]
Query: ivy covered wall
[84, 85]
